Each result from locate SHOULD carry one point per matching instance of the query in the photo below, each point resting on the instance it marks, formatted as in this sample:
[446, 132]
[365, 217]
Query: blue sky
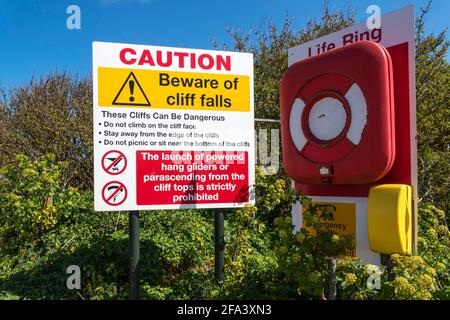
[35, 39]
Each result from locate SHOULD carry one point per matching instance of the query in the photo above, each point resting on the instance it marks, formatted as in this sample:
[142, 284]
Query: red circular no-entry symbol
[114, 193]
[114, 162]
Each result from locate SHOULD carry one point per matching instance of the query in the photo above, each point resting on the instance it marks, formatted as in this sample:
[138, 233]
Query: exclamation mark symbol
[131, 85]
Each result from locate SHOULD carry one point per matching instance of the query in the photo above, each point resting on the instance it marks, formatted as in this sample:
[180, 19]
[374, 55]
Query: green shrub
[32, 200]
[422, 277]
[177, 247]
[303, 255]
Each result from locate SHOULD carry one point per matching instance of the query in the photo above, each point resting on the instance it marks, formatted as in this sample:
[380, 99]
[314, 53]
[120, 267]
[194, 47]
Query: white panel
[397, 27]
[358, 107]
[327, 118]
[296, 217]
[297, 135]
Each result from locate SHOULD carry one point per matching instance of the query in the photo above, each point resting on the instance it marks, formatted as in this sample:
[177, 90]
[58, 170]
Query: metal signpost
[219, 254]
[133, 224]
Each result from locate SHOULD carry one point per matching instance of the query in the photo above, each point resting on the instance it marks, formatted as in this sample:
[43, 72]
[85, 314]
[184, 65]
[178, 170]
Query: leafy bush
[304, 255]
[177, 247]
[434, 246]
[31, 199]
[52, 114]
[409, 277]
[264, 260]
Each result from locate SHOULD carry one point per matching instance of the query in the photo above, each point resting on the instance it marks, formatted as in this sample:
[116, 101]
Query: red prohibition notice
[189, 177]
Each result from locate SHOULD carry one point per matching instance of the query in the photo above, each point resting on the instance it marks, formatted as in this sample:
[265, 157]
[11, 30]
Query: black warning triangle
[131, 93]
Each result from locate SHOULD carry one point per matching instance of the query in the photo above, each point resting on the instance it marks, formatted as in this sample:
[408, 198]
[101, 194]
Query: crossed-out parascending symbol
[114, 193]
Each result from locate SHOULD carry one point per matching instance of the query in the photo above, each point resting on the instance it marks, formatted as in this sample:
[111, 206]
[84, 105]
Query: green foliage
[177, 247]
[434, 246]
[52, 114]
[409, 278]
[263, 261]
[422, 277]
[31, 199]
[433, 115]
[303, 255]
[353, 279]
[414, 279]
[251, 263]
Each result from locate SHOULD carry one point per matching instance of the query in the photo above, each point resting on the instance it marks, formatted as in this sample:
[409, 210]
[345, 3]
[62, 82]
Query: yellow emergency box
[389, 220]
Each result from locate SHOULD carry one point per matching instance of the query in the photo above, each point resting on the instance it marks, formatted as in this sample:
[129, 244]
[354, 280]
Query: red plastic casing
[331, 74]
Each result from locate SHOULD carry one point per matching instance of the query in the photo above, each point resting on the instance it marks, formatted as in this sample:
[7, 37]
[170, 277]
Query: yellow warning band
[133, 88]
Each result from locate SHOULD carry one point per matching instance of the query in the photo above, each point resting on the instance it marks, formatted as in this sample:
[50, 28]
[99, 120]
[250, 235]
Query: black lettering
[164, 79]
[187, 82]
[364, 36]
[171, 100]
[214, 84]
[376, 35]
[347, 39]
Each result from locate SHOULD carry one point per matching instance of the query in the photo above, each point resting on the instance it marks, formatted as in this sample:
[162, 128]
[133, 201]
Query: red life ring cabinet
[337, 116]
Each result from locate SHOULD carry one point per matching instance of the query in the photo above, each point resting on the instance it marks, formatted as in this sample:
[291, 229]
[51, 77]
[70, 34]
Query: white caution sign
[173, 128]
